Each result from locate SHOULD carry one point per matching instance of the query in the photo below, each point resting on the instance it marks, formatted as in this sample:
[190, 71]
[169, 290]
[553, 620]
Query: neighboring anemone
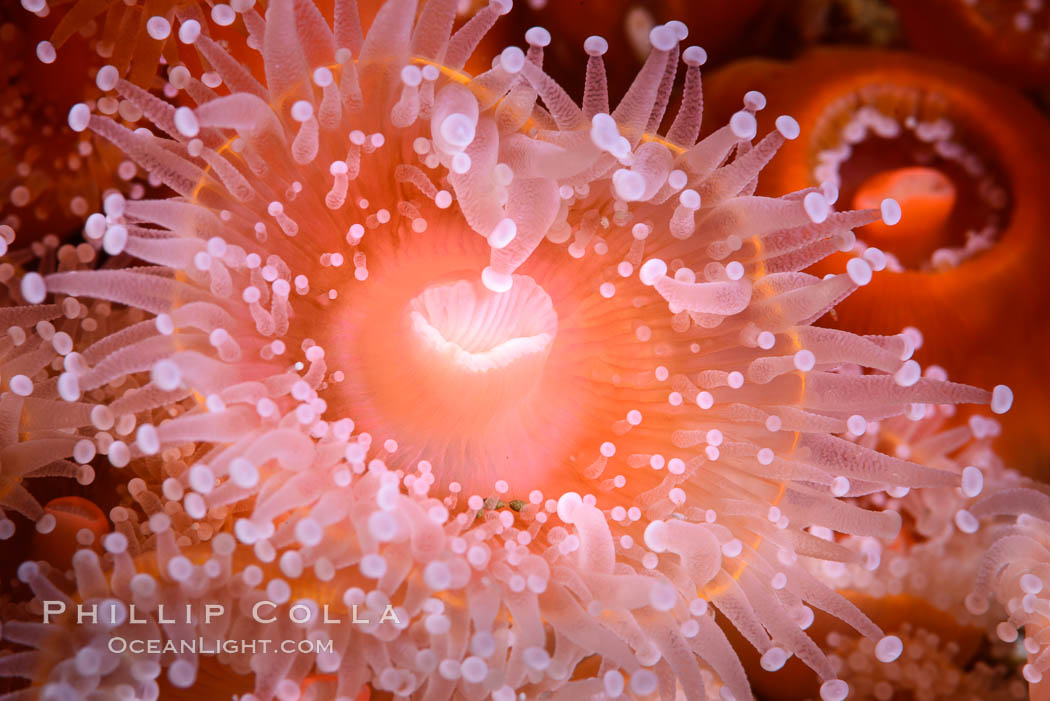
[942, 526]
[980, 556]
[931, 670]
[892, 581]
[132, 36]
[35, 349]
[540, 381]
[966, 159]
[938, 524]
[1009, 39]
[79, 523]
[1015, 571]
[50, 178]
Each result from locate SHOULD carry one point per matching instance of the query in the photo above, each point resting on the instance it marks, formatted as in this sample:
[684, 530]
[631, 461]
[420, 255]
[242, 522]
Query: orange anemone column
[78, 523]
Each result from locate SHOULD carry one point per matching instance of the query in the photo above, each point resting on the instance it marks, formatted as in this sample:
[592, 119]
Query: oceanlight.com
[202, 646]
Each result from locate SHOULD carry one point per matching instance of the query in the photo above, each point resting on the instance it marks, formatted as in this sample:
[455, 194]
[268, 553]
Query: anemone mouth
[909, 145]
[470, 330]
[929, 197]
[475, 355]
[519, 387]
[485, 386]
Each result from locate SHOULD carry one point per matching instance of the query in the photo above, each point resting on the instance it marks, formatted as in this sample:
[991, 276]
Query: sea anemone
[720, 27]
[131, 36]
[535, 387]
[134, 37]
[987, 538]
[1014, 571]
[894, 583]
[50, 177]
[932, 670]
[965, 158]
[938, 523]
[1007, 38]
[37, 345]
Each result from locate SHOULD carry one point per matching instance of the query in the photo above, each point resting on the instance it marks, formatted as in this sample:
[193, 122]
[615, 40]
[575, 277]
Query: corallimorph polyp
[1012, 571]
[965, 157]
[538, 378]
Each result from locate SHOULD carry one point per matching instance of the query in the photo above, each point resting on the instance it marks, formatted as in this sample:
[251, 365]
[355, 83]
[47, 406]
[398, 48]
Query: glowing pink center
[466, 330]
